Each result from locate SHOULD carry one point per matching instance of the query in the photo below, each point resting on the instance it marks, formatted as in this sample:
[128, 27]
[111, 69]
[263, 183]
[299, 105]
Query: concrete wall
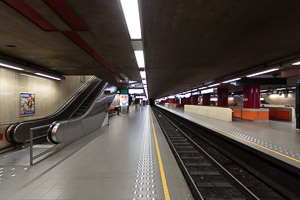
[220, 113]
[49, 94]
[277, 99]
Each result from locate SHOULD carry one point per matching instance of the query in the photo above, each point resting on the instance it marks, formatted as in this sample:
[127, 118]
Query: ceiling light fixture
[296, 63]
[139, 56]
[214, 85]
[263, 72]
[281, 89]
[202, 88]
[144, 81]
[44, 75]
[11, 67]
[132, 18]
[143, 74]
[236, 79]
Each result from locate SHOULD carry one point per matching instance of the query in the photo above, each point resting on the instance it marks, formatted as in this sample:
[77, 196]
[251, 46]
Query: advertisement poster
[124, 99]
[27, 103]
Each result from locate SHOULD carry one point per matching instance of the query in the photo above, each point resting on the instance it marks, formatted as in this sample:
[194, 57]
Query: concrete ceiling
[107, 35]
[189, 42]
[185, 42]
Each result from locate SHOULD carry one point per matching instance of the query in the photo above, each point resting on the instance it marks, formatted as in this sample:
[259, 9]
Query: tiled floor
[114, 162]
[276, 138]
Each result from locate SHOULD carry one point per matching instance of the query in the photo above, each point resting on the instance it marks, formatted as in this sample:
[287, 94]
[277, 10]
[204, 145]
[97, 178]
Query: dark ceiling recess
[11, 45]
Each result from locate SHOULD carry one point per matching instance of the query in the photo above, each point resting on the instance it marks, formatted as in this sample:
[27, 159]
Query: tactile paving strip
[144, 184]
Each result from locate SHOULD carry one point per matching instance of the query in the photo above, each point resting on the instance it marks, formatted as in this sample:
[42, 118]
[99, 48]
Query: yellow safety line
[211, 127]
[161, 167]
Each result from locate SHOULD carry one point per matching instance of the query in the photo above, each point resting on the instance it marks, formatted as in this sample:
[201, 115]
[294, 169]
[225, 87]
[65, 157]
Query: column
[251, 96]
[223, 97]
[194, 100]
[297, 104]
[206, 100]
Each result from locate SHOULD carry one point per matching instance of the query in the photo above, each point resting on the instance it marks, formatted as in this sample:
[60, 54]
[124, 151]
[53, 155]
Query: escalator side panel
[74, 129]
[21, 132]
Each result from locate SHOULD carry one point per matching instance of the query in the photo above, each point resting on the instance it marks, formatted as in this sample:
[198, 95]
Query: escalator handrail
[84, 100]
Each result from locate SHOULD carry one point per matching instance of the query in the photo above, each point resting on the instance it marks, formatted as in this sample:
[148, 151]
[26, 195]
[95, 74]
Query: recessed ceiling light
[139, 56]
[132, 18]
[263, 72]
[143, 74]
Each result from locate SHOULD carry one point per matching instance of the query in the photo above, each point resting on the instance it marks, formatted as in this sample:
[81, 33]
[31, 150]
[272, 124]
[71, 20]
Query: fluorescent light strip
[296, 63]
[194, 90]
[281, 89]
[236, 79]
[139, 56]
[31, 76]
[11, 67]
[144, 82]
[52, 77]
[263, 90]
[214, 85]
[202, 88]
[132, 18]
[263, 72]
[143, 74]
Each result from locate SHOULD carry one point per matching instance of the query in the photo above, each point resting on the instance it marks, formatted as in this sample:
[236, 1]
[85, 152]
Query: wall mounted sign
[27, 104]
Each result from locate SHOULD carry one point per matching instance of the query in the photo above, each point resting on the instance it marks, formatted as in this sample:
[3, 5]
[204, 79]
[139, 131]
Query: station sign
[136, 91]
[195, 93]
[207, 91]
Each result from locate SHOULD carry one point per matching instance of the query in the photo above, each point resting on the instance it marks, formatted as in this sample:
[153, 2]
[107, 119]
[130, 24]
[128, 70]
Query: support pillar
[194, 100]
[182, 102]
[251, 96]
[188, 100]
[298, 104]
[206, 100]
[223, 97]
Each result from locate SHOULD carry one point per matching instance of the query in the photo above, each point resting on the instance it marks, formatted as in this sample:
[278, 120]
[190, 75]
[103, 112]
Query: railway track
[209, 173]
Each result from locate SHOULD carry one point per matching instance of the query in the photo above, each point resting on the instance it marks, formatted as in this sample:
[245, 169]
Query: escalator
[87, 103]
[18, 133]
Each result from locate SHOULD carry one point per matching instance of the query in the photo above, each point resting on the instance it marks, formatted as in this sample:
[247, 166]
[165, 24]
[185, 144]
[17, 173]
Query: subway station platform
[129, 159]
[275, 138]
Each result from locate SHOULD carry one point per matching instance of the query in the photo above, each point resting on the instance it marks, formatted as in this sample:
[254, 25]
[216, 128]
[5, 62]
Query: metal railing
[49, 151]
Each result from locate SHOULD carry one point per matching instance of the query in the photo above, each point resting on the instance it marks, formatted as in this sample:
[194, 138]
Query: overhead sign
[207, 91]
[124, 91]
[195, 93]
[136, 91]
[27, 104]
[124, 99]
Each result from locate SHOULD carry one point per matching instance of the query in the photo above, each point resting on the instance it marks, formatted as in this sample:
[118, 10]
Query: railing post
[31, 146]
